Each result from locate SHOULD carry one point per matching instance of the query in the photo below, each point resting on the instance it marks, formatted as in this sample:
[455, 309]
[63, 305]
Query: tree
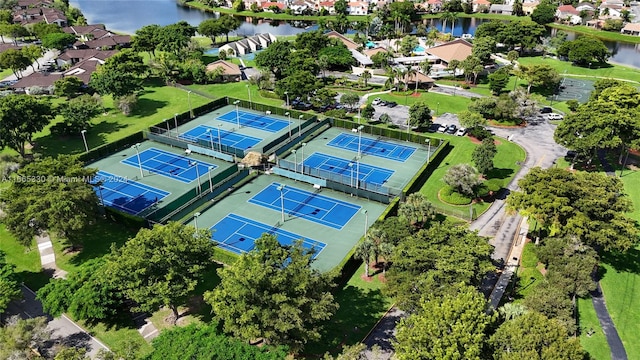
[211, 28]
[471, 119]
[367, 112]
[420, 115]
[340, 7]
[21, 116]
[498, 80]
[573, 105]
[228, 23]
[602, 84]
[301, 60]
[19, 338]
[299, 84]
[384, 118]
[513, 56]
[590, 205]
[9, 285]
[203, 342]
[338, 56]
[552, 301]
[416, 210]
[365, 76]
[542, 75]
[143, 271]
[68, 86]
[71, 353]
[350, 99]
[15, 60]
[58, 41]
[584, 50]
[472, 66]
[147, 38]
[275, 58]
[407, 44]
[120, 75]
[42, 28]
[483, 48]
[380, 59]
[434, 259]
[453, 326]
[311, 40]
[463, 178]
[50, 195]
[517, 8]
[483, 155]
[544, 13]
[33, 53]
[534, 336]
[293, 302]
[364, 251]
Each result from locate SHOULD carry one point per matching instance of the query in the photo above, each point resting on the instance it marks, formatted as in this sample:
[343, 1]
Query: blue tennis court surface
[311, 206]
[173, 166]
[238, 234]
[126, 195]
[375, 147]
[206, 135]
[258, 121]
[364, 172]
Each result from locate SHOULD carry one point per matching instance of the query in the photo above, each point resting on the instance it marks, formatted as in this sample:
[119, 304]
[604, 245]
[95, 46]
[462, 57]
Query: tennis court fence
[349, 178]
[168, 137]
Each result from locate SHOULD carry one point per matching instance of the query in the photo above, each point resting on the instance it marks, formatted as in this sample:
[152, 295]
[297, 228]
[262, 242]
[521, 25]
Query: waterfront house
[529, 6]
[87, 32]
[357, 8]
[631, 29]
[248, 45]
[569, 14]
[73, 56]
[434, 5]
[481, 5]
[109, 41]
[586, 6]
[458, 49]
[504, 9]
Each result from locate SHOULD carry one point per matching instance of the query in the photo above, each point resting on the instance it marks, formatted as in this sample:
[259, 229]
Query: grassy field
[27, 261]
[604, 35]
[596, 344]
[504, 162]
[529, 275]
[440, 102]
[620, 72]
[237, 90]
[156, 103]
[362, 304]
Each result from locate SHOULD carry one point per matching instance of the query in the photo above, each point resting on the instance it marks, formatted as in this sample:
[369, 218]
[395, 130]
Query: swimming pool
[370, 44]
[418, 49]
[213, 52]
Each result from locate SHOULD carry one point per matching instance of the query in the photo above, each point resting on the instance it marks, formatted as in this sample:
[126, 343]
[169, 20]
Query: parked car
[451, 129]
[442, 128]
[546, 110]
[461, 131]
[554, 116]
[382, 103]
[392, 104]
[376, 101]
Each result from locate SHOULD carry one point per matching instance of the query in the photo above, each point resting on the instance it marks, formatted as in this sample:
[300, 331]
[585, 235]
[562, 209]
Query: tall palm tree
[446, 17]
[416, 209]
[385, 250]
[366, 75]
[364, 251]
[411, 72]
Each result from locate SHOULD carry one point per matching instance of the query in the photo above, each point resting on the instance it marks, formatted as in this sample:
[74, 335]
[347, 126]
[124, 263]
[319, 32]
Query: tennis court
[363, 172]
[238, 234]
[126, 195]
[208, 135]
[375, 147]
[170, 165]
[258, 121]
[307, 205]
[570, 88]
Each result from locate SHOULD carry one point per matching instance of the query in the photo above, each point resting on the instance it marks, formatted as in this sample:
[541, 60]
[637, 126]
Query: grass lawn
[118, 336]
[596, 344]
[155, 103]
[620, 72]
[4, 73]
[238, 90]
[505, 168]
[27, 261]
[604, 35]
[362, 304]
[529, 275]
[448, 103]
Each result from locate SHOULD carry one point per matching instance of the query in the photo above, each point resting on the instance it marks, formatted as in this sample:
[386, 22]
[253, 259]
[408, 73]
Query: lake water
[129, 15]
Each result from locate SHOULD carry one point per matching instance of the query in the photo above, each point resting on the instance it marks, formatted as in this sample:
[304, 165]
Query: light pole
[136, 146]
[302, 159]
[210, 182]
[210, 138]
[84, 139]
[300, 118]
[366, 220]
[295, 160]
[289, 115]
[189, 101]
[195, 163]
[237, 116]
[360, 137]
[351, 168]
[428, 150]
[195, 219]
[357, 171]
[407, 128]
[219, 138]
[281, 189]
[438, 108]
[287, 93]
[101, 198]
[175, 120]
[250, 103]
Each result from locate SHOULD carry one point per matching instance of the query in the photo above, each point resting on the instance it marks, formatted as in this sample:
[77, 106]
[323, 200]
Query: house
[458, 49]
[248, 45]
[613, 11]
[504, 9]
[87, 32]
[375, 50]
[230, 71]
[298, 7]
[434, 5]
[108, 42]
[35, 15]
[362, 59]
[327, 5]
[631, 29]
[586, 6]
[25, 4]
[357, 8]
[266, 5]
[480, 5]
[346, 41]
[424, 81]
[569, 14]
[74, 56]
[529, 6]
[81, 70]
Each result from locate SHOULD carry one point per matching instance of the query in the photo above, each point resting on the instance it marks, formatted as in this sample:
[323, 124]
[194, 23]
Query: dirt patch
[366, 278]
[415, 94]
[476, 141]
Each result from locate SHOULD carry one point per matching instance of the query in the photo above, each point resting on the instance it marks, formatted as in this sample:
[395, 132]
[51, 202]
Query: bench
[317, 186]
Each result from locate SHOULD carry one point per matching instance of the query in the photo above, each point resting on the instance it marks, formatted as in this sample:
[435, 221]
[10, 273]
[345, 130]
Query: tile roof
[454, 50]
[229, 68]
[346, 41]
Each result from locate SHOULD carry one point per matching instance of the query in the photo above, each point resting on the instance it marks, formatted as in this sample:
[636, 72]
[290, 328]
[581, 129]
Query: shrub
[480, 133]
[337, 113]
[450, 196]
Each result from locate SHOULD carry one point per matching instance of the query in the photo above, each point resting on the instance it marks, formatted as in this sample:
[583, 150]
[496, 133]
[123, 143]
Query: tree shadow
[628, 261]
[359, 311]
[499, 173]
[147, 107]
[52, 145]
[95, 241]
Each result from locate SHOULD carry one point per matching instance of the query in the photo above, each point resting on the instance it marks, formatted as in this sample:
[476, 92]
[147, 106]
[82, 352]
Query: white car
[376, 101]
[461, 131]
[442, 128]
[554, 116]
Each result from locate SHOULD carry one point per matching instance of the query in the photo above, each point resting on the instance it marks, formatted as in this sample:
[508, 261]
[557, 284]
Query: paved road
[382, 335]
[49, 55]
[64, 331]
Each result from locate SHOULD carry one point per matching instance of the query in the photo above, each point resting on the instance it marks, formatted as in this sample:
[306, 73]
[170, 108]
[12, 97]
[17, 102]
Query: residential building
[327, 5]
[504, 9]
[434, 5]
[631, 29]
[29, 16]
[108, 42]
[458, 49]
[481, 5]
[73, 56]
[266, 5]
[358, 8]
[569, 14]
[346, 41]
[248, 45]
[529, 6]
[231, 71]
[587, 6]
